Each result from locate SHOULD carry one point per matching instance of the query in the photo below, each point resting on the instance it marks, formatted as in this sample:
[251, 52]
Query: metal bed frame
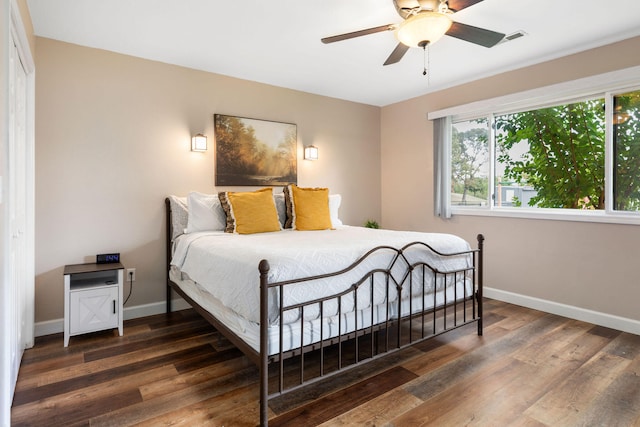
[363, 343]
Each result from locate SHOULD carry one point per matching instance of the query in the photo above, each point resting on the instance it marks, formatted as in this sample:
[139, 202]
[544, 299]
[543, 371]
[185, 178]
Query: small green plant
[371, 224]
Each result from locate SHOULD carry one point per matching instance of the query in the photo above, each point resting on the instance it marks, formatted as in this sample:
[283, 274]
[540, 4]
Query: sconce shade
[310, 152]
[199, 143]
[423, 27]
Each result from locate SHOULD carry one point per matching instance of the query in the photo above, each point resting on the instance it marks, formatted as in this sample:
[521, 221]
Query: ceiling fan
[425, 22]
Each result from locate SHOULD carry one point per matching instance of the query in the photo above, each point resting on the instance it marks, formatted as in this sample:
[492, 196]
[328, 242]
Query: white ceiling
[278, 41]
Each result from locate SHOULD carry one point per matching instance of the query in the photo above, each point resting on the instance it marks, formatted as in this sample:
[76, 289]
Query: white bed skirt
[305, 332]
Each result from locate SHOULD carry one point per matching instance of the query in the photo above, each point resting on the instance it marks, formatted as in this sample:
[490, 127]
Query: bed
[316, 301]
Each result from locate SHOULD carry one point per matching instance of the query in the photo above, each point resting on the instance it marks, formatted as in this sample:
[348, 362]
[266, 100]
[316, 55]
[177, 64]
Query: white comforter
[227, 264]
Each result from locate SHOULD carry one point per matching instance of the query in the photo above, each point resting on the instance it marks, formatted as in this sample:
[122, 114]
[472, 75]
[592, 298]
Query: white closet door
[17, 273]
[16, 199]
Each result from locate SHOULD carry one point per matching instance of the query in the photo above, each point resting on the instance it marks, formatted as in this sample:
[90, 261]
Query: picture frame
[254, 152]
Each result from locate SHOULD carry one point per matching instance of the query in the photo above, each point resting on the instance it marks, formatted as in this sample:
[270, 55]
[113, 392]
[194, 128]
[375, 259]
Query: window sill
[552, 214]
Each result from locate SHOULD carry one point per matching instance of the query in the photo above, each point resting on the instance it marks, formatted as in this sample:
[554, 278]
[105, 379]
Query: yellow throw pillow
[310, 208]
[250, 212]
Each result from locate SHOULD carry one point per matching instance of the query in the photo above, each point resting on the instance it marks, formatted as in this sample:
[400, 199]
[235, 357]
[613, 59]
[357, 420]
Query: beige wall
[587, 265]
[112, 140]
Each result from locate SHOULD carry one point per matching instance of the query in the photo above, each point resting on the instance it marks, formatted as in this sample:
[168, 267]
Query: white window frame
[603, 85]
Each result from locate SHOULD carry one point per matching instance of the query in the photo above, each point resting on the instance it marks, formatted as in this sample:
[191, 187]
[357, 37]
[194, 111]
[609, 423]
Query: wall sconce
[310, 152]
[199, 143]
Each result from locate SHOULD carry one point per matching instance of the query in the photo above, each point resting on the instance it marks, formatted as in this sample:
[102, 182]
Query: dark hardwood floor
[529, 369]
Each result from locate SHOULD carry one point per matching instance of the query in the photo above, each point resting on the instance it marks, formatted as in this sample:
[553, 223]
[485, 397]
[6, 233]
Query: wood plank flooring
[529, 369]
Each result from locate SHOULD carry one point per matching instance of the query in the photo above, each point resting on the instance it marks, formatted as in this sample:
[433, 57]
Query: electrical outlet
[131, 275]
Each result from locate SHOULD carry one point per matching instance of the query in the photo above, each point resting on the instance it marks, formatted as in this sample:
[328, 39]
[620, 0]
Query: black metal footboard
[384, 310]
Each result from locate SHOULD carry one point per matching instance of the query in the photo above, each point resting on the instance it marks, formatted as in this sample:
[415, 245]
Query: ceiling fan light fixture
[423, 27]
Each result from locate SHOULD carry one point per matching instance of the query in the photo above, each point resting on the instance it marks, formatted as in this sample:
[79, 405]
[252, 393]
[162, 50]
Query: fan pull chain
[426, 60]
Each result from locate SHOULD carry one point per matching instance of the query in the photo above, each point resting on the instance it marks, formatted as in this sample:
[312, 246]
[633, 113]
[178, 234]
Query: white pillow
[334, 206]
[280, 207]
[179, 215]
[205, 213]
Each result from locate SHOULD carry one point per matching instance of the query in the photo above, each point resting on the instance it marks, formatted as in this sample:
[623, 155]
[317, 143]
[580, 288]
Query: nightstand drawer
[93, 309]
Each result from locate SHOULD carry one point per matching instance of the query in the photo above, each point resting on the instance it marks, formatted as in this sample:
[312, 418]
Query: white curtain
[442, 169]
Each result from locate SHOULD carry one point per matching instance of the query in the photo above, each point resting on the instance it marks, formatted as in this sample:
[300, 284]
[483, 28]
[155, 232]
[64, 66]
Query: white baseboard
[572, 312]
[154, 308]
[49, 327]
[57, 326]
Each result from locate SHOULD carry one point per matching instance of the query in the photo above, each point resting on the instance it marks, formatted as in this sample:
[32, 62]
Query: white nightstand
[92, 298]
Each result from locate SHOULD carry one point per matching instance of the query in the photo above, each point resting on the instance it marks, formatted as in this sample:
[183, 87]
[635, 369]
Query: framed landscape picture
[255, 152]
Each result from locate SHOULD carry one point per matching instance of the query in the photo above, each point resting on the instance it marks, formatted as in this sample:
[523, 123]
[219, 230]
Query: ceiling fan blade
[469, 33]
[397, 54]
[457, 5]
[340, 37]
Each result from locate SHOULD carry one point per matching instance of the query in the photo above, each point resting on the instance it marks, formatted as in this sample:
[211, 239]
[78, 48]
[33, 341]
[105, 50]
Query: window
[470, 163]
[626, 151]
[551, 157]
[577, 158]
